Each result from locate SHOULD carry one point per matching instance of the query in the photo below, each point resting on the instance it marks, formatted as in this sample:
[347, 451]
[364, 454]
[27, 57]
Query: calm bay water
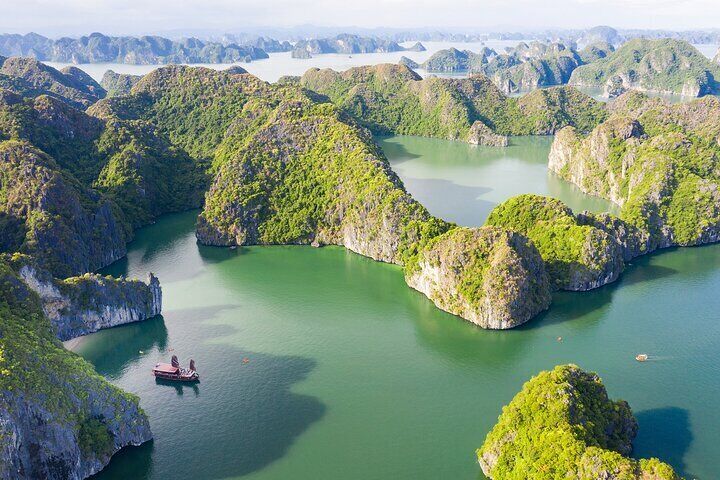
[320, 364]
[463, 183]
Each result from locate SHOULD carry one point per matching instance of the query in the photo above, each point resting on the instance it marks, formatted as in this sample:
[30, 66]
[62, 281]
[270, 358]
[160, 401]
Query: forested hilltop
[563, 425]
[394, 99]
[665, 66]
[295, 163]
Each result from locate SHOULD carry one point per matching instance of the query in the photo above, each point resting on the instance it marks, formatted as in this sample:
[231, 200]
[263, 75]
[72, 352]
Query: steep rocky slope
[531, 66]
[128, 164]
[58, 418]
[578, 256]
[80, 305]
[48, 214]
[30, 77]
[669, 66]
[493, 277]
[522, 68]
[563, 425]
[658, 161]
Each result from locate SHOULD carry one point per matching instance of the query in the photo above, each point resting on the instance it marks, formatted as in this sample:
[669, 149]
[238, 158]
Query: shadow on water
[130, 462]
[458, 340]
[590, 305]
[585, 307]
[112, 350]
[456, 200]
[640, 270]
[240, 418]
[248, 409]
[664, 433]
[180, 387]
[213, 255]
[392, 149]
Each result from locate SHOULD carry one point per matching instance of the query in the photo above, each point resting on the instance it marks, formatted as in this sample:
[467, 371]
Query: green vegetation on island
[60, 418]
[454, 60]
[666, 65]
[659, 162]
[563, 425]
[531, 66]
[118, 83]
[29, 77]
[577, 256]
[394, 99]
[348, 44]
[522, 68]
[293, 163]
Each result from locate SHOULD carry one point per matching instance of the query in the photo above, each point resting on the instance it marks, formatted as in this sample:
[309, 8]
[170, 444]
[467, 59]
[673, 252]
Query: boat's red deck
[166, 368]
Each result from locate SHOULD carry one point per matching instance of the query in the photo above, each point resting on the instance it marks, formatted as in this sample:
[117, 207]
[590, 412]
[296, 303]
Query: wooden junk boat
[173, 371]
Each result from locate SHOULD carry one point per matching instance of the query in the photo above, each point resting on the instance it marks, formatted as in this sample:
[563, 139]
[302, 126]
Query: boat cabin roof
[166, 368]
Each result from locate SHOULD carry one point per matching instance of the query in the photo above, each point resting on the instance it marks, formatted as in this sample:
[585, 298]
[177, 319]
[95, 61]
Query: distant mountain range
[666, 65]
[151, 50]
[350, 44]
[99, 48]
[245, 47]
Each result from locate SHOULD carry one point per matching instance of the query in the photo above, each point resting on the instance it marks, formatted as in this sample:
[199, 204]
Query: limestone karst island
[389, 240]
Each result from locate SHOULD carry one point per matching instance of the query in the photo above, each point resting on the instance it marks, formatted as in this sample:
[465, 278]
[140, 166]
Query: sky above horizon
[75, 17]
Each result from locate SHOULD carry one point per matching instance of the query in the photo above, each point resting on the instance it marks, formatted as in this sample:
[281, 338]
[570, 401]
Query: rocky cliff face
[655, 160]
[480, 134]
[589, 162]
[492, 277]
[37, 443]
[530, 66]
[80, 305]
[563, 425]
[577, 254]
[58, 418]
[68, 227]
[523, 68]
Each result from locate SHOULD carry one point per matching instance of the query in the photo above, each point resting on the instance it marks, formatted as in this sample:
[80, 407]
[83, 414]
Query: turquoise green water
[463, 183]
[352, 375]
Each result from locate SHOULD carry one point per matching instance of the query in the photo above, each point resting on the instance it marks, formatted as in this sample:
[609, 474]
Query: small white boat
[641, 357]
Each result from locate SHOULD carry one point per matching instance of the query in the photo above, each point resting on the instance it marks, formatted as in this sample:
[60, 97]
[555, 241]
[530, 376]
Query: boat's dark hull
[175, 378]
